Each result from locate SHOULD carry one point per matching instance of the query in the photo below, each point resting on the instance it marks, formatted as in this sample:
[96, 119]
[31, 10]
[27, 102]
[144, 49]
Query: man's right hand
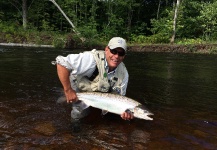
[63, 74]
[70, 95]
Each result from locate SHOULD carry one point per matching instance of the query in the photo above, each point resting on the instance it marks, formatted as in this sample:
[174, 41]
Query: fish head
[142, 113]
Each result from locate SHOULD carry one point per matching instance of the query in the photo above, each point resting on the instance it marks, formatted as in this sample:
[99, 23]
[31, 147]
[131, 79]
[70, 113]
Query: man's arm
[63, 74]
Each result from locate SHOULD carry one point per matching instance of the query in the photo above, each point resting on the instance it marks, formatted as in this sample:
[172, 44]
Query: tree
[24, 13]
[22, 8]
[174, 21]
[208, 19]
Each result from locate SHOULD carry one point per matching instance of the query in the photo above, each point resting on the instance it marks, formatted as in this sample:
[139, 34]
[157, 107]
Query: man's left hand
[127, 115]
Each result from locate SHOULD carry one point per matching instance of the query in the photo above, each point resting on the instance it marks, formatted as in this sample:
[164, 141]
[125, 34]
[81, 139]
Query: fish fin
[104, 112]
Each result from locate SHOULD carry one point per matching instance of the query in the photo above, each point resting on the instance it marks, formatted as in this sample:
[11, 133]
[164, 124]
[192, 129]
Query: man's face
[114, 57]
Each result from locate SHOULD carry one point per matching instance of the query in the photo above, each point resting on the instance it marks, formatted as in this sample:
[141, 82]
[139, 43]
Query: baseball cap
[116, 42]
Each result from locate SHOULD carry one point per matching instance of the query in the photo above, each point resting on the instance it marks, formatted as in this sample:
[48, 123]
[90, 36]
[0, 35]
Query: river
[180, 89]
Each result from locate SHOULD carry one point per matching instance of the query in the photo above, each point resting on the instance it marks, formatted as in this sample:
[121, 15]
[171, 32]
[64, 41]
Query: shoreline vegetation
[155, 26]
[175, 48]
[71, 41]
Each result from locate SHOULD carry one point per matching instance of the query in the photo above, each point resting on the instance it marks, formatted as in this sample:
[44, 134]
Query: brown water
[180, 89]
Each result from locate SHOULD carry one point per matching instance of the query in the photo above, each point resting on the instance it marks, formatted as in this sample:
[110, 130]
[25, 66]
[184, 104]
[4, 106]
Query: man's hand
[127, 115]
[63, 74]
[70, 95]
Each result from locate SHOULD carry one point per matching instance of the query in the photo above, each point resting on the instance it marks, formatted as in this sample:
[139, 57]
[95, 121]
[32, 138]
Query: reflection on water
[180, 89]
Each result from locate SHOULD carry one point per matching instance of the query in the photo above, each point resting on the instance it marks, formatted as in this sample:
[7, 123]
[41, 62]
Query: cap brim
[116, 46]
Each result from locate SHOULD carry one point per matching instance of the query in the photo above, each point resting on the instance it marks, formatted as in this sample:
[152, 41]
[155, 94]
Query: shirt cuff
[61, 61]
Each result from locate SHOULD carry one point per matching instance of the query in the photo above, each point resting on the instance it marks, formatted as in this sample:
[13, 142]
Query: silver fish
[114, 103]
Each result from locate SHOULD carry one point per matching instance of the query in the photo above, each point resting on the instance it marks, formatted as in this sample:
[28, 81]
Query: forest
[96, 21]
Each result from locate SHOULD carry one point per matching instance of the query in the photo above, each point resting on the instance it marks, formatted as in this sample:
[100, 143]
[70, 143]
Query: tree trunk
[174, 21]
[130, 14]
[22, 9]
[158, 9]
[24, 13]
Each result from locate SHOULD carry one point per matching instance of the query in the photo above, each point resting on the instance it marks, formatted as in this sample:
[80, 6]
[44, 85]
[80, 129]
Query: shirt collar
[107, 68]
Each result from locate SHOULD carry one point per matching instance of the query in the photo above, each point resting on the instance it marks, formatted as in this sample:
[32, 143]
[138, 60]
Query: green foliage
[1, 15]
[188, 22]
[89, 32]
[9, 38]
[163, 25]
[46, 26]
[7, 27]
[59, 42]
[140, 28]
[190, 41]
[12, 33]
[138, 38]
[208, 20]
[135, 20]
[114, 28]
[162, 30]
[156, 38]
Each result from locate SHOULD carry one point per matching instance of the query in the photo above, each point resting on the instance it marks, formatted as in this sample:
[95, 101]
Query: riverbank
[190, 48]
[70, 41]
[176, 48]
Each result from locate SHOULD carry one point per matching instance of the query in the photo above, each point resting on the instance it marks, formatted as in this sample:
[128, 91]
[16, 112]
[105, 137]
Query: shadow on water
[180, 89]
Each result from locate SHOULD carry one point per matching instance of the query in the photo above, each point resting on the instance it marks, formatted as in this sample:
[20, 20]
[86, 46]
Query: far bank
[175, 48]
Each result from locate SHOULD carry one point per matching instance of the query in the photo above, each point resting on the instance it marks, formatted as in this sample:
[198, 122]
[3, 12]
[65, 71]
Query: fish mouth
[147, 117]
[147, 114]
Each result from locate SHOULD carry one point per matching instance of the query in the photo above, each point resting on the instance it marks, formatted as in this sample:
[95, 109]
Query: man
[97, 71]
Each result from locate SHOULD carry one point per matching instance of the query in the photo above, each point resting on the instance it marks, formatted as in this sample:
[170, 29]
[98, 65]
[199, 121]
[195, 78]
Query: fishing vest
[99, 81]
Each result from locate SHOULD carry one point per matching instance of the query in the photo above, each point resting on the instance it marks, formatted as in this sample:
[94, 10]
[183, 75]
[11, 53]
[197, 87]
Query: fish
[114, 103]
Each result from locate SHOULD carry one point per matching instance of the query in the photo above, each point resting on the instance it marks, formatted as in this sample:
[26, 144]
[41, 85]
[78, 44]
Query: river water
[180, 89]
